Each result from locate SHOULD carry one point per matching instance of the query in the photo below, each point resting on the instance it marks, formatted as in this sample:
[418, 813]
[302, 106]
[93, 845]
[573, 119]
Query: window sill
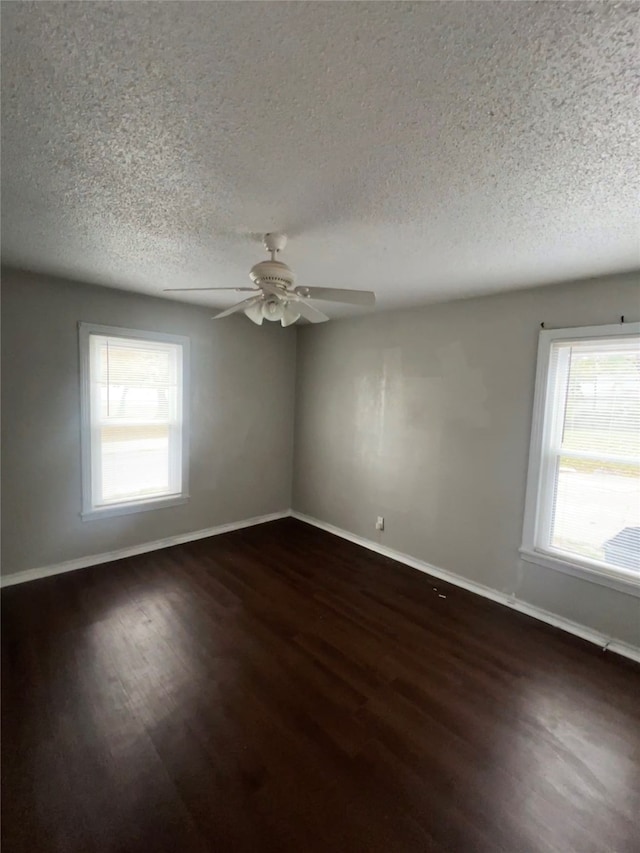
[137, 506]
[623, 581]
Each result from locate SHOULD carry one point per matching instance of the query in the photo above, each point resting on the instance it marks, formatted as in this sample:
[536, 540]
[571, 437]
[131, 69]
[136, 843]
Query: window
[583, 494]
[134, 436]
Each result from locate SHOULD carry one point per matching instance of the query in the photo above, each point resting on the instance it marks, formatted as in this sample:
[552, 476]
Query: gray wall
[424, 417]
[242, 386]
[421, 416]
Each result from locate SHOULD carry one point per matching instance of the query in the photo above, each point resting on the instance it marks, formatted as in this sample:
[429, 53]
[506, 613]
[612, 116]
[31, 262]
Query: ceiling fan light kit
[276, 298]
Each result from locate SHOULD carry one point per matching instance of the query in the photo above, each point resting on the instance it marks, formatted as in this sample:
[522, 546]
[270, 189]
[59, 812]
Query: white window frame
[89, 510]
[622, 579]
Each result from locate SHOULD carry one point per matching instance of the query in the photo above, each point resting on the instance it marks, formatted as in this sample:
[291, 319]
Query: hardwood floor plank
[278, 689]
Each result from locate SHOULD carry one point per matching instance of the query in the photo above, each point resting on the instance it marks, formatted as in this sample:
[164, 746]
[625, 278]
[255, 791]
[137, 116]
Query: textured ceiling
[425, 150]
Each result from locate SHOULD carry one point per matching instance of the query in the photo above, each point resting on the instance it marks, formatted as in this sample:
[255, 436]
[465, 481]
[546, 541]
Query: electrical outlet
[380, 523]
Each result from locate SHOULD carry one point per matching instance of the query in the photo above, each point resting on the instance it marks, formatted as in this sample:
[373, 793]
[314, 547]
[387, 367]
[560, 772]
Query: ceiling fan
[276, 298]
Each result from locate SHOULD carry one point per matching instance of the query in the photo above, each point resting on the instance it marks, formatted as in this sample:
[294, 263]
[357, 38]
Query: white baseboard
[133, 550]
[606, 643]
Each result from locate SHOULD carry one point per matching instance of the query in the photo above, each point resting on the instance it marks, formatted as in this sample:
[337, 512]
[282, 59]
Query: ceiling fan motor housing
[272, 272]
[279, 277]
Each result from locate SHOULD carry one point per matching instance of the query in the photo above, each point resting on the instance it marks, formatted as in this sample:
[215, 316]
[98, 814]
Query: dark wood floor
[279, 689]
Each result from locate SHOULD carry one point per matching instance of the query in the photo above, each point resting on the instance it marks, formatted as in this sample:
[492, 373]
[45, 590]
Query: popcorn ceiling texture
[427, 150]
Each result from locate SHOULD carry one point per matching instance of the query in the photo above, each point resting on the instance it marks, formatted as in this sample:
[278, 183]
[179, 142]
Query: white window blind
[587, 506]
[135, 420]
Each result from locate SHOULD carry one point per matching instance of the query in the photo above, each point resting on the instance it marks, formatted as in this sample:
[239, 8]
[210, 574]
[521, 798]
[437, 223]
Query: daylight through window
[584, 492]
[134, 425]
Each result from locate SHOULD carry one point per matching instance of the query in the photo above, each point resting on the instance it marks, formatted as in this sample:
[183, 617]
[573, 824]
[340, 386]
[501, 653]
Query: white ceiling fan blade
[184, 289]
[334, 294]
[239, 306]
[309, 312]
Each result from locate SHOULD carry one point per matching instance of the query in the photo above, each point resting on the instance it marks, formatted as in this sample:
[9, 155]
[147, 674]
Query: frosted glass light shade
[254, 312]
[273, 309]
